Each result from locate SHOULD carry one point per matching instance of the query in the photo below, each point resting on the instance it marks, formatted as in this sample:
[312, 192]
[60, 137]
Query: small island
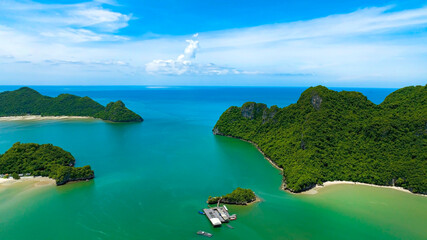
[239, 196]
[27, 101]
[46, 160]
[339, 136]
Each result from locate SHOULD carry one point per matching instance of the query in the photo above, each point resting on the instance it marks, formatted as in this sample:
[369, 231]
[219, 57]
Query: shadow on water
[80, 187]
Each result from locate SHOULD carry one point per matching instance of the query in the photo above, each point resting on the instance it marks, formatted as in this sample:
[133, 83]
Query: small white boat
[206, 234]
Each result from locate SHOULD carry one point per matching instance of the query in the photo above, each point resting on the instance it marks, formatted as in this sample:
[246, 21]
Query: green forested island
[239, 196]
[26, 101]
[43, 160]
[329, 135]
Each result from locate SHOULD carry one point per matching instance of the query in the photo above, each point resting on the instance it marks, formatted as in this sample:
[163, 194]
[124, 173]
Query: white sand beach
[38, 117]
[331, 183]
[38, 181]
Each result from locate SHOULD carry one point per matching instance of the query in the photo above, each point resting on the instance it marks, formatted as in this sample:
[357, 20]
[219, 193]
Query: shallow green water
[152, 178]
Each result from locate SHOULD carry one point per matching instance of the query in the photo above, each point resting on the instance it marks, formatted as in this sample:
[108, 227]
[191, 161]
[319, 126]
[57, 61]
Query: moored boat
[206, 234]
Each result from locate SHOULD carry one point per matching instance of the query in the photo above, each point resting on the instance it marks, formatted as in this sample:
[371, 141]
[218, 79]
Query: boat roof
[215, 221]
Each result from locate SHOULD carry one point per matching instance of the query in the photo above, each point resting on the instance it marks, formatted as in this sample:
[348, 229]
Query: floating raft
[213, 217]
[217, 215]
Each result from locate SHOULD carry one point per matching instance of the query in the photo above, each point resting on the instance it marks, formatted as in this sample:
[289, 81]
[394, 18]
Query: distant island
[339, 136]
[27, 101]
[24, 159]
[239, 196]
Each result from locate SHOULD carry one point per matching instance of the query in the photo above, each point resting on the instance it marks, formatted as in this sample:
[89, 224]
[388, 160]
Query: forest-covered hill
[43, 160]
[26, 101]
[329, 135]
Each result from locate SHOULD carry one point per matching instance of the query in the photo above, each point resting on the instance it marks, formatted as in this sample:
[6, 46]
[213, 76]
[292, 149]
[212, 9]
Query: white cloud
[379, 45]
[185, 64]
[80, 22]
[190, 50]
[371, 43]
[106, 20]
[80, 35]
[368, 21]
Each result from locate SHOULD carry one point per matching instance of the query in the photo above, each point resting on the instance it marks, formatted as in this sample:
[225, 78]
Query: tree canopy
[26, 101]
[329, 135]
[239, 196]
[43, 160]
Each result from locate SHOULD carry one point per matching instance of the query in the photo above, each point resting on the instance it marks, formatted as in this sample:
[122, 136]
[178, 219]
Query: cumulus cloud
[185, 64]
[190, 50]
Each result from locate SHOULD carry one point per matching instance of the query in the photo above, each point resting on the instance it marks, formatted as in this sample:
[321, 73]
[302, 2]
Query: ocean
[153, 177]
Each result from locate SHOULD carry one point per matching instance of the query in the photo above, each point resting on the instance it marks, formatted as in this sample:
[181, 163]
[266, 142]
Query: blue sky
[251, 43]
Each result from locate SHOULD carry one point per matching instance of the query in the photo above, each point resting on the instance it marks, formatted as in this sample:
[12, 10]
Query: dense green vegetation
[26, 101]
[117, 112]
[42, 160]
[329, 135]
[239, 196]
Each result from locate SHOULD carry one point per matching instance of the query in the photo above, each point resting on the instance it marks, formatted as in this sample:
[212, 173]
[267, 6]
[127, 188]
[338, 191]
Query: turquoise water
[153, 177]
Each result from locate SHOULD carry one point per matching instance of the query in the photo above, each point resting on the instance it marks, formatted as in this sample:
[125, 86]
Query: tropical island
[46, 160]
[27, 101]
[339, 136]
[239, 196]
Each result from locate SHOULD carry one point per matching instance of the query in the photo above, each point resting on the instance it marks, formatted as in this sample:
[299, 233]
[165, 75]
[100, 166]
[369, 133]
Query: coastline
[257, 200]
[39, 117]
[256, 146]
[38, 181]
[315, 189]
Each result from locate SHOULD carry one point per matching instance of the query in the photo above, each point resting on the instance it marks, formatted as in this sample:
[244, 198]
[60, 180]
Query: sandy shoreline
[315, 189]
[332, 183]
[39, 117]
[38, 181]
[257, 200]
